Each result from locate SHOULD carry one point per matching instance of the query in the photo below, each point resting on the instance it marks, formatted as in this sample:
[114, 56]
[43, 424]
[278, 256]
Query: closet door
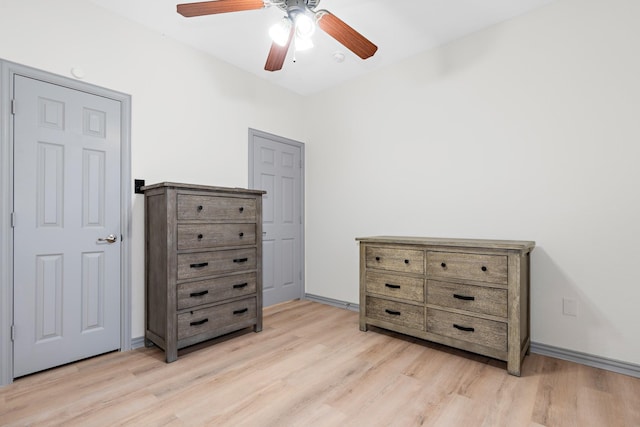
[67, 225]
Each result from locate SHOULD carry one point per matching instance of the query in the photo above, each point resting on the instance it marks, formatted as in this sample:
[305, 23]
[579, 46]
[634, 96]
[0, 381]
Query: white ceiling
[400, 29]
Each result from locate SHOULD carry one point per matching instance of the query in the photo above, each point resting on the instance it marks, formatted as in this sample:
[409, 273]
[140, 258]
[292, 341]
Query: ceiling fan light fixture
[279, 32]
[303, 43]
[305, 25]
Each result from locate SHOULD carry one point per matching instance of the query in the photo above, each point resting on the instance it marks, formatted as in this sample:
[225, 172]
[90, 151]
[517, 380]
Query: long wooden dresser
[203, 274]
[469, 294]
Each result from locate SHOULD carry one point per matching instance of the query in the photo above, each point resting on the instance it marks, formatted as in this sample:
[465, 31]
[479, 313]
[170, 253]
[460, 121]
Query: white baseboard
[620, 367]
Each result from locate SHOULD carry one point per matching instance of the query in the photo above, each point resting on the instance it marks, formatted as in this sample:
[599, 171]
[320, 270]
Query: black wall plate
[137, 186]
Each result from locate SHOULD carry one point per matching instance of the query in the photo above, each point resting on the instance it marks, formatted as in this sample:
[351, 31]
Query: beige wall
[190, 112]
[529, 130]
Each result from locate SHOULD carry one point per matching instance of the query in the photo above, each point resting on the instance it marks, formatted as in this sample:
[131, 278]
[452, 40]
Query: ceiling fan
[297, 25]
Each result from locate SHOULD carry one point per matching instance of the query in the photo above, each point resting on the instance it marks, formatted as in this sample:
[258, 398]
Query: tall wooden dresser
[469, 294]
[203, 271]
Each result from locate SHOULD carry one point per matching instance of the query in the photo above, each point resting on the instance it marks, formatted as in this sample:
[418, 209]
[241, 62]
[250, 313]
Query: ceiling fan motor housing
[293, 7]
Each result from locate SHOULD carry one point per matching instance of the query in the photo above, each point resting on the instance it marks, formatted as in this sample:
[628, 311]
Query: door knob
[111, 238]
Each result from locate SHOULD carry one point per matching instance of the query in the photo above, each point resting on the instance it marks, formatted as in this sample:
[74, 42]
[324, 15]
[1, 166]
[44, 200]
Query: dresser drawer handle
[463, 328]
[239, 260]
[199, 208]
[199, 322]
[240, 285]
[198, 294]
[389, 285]
[241, 209]
[200, 236]
[241, 234]
[244, 310]
[406, 261]
[393, 313]
[200, 265]
[443, 264]
[484, 268]
[464, 297]
[377, 258]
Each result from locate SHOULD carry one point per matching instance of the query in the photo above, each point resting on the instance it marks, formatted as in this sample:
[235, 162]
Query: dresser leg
[514, 368]
[171, 351]
[171, 356]
[257, 327]
[363, 327]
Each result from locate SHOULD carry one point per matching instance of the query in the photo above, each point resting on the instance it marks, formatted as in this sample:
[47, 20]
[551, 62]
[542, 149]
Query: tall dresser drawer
[204, 264]
[209, 319]
[482, 268]
[198, 207]
[393, 285]
[478, 299]
[192, 294]
[204, 236]
[410, 316]
[468, 328]
[395, 259]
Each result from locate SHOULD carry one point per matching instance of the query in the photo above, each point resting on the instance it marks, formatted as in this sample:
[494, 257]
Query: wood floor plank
[312, 366]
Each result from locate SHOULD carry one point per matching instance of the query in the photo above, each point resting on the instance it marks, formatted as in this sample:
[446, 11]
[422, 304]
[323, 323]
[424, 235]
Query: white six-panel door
[277, 169]
[66, 226]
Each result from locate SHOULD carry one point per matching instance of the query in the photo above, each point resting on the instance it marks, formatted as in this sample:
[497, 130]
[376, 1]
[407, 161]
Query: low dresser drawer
[203, 236]
[410, 316]
[197, 207]
[395, 259]
[479, 299]
[485, 332]
[235, 313]
[482, 268]
[393, 285]
[193, 294]
[202, 264]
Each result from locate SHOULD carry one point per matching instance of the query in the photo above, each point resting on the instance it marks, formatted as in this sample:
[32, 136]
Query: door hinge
[13, 107]
[13, 332]
[300, 163]
[13, 219]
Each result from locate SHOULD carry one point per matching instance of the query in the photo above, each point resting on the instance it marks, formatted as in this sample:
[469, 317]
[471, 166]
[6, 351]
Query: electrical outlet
[569, 307]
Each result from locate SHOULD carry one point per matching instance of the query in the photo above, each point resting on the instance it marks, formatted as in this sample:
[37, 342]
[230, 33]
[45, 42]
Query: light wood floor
[311, 366]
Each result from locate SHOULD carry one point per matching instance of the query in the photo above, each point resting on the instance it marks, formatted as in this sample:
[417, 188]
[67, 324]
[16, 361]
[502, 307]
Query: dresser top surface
[518, 245]
[179, 186]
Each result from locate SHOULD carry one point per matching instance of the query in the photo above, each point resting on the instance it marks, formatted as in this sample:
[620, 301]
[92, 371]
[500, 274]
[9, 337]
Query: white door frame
[300, 145]
[7, 72]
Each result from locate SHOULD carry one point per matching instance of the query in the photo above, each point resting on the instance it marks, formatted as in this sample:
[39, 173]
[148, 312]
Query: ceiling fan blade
[219, 6]
[347, 36]
[277, 54]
